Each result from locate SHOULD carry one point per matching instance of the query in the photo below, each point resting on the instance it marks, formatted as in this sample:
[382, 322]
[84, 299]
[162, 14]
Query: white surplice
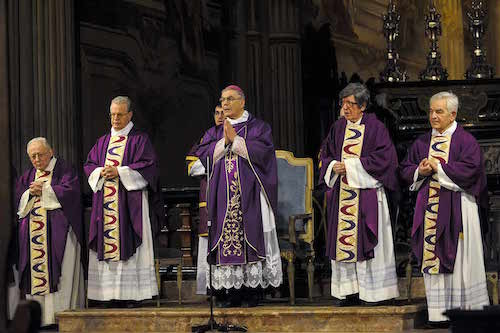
[135, 278]
[375, 279]
[465, 288]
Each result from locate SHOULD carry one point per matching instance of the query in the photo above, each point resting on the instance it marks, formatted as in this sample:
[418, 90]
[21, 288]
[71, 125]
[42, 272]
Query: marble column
[286, 74]
[451, 42]
[42, 59]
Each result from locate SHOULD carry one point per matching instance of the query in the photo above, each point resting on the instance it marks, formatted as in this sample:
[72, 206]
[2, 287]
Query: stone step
[265, 318]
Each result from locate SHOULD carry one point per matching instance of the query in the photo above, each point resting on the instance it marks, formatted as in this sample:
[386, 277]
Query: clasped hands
[109, 172]
[339, 168]
[427, 167]
[229, 132]
[36, 188]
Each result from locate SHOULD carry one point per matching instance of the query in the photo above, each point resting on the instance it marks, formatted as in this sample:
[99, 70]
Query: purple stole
[439, 150]
[39, 259]
[114, 157]
[347, 232]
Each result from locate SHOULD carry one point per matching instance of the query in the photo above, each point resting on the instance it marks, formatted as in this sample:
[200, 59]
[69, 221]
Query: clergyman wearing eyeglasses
[241, 204]
[122, 171]
[50, 233]
[358, 165]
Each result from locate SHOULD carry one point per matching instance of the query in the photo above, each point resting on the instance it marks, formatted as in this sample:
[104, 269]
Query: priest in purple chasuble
[122, 171]
[445, 167]
[196, 169]
[358, 164]
[49, 232]
[243, 247]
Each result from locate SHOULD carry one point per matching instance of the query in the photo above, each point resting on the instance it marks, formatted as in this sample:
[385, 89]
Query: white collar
[123, 131]
[449, 131]
[51, 165]
[242, 119]
[357, 122]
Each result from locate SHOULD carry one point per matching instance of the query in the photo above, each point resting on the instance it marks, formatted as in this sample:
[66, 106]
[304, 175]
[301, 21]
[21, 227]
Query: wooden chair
[166, 257]
[295, 216]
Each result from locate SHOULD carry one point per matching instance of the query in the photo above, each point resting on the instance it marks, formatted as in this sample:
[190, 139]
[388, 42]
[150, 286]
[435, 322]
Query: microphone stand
[212, 324]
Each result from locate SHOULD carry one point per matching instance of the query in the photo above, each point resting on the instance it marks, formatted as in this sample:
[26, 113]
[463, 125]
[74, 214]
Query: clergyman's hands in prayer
[229, 132]
[425, 168]
[433, 164]
[339, 168]
[109, 172]
[36, 188]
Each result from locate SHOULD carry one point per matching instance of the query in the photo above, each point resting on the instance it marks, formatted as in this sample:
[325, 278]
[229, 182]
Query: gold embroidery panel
[347, 227]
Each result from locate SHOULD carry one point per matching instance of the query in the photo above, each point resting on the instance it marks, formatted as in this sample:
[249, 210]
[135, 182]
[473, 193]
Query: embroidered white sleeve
[25, 204]
[197, 169]
[131, 179]
[445, 181]
[95, 180]
[219, 150]
[49, 199]
[416, 183]
[329, 179]
[239, 147]
[357, 176]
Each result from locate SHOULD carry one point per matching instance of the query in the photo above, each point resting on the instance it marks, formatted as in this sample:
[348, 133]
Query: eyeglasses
[349, 104]
[230, 99]
[38, 155]
[117, 115]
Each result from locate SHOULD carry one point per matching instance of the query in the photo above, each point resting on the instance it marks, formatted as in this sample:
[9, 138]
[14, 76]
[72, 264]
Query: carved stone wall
[155, 52]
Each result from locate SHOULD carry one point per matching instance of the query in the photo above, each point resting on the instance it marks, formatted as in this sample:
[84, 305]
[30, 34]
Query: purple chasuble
[379, 159]
[465, 168]
[203, 211]
[66, 186]
[236, 183]
[140, 156]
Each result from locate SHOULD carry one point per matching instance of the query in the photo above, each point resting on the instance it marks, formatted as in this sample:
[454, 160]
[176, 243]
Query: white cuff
[49, 199]
[445, 181]
[197, 169]
[239, 147]
[25, 204]
[329, 180]
[95, 180]
[219, 150]
[357, 177]
[416, 183]
[131, 179]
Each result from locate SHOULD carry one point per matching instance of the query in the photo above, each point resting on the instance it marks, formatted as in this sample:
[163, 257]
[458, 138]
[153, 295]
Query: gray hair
[452, 102]
[359, 91]
[122, 100]
[240, 92]
[40, 139]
